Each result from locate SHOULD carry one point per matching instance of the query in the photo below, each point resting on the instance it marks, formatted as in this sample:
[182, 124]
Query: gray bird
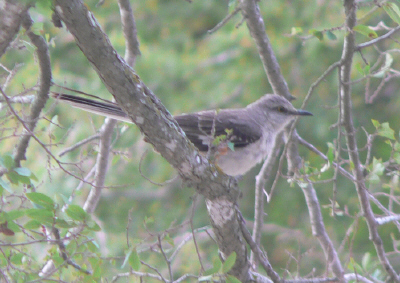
[239, 138]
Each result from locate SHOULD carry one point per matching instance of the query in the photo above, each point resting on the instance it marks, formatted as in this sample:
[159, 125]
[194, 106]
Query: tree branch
[256, 26]
[347, 116]
[11, 15]
[129, 27]
[255, 23]
[160, 129]
[42, 95]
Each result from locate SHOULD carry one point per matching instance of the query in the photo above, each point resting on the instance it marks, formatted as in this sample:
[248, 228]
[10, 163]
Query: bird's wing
[199, 126]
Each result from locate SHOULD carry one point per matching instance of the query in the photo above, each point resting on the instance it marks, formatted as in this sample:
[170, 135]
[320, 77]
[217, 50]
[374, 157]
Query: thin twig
[376, 40]
[225, 20]
[262, 258]
[193, 234]
[147, 178]
[78, 144]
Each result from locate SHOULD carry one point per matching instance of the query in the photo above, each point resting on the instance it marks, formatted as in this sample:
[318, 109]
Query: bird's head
[276, 110]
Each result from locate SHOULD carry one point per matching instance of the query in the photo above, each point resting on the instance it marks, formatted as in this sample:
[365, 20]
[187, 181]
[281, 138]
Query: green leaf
[61, 223]
[169, 240]
[354, 266]
[386, 131]
[8, 161]
[54, 123]
[330, 35]
[229, 262]
[13, 177]
[92, 246]
[58, 260]
[32, 224]
[364, 30]
[93, 226]
[375, 123]
[393, 11]
[41, 200]
[134, 260]
[44, 216]
[3, 216]
[318, 34]
[5, 186]
[396, 146]
[23, 171]
[15, 214]
[24, 179]
[296, 30]
[14, 227]
[376, 169]
[17, 258]
[115, 159]
[351, 164]
[396, 157]
[363, 70]
[76, 212]
[96, 264]
[231, 146]
[366, 260]
[33, 177]
[383, 129]
[330, 153]
[217, 264]
[232, 279]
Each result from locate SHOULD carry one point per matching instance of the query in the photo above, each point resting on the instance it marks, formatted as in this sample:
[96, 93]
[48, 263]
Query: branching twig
[225, 20]
[376, 40]
[345, 93]
[78, 144]
[324, 157]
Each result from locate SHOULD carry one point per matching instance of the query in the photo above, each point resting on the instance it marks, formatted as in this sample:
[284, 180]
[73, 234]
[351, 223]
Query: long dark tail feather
[108, 109]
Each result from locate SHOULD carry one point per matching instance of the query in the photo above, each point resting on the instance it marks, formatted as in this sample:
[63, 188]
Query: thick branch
[160, 129]
[11, 13]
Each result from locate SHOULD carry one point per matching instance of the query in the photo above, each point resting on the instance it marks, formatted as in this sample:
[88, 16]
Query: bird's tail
[104, 108]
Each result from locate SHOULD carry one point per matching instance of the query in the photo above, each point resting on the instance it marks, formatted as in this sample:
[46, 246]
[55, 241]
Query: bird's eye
[281, 109]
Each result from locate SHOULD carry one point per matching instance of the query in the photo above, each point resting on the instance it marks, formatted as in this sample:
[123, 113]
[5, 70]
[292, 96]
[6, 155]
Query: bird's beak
[300, 112]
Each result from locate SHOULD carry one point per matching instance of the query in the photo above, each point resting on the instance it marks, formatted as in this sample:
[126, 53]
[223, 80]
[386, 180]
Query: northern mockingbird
[239, 138]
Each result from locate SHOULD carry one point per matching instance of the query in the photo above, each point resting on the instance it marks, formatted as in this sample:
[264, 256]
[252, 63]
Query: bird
[237, 139]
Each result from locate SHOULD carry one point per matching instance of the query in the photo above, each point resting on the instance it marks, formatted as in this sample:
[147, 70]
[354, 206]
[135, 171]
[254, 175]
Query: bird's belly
[241, 160]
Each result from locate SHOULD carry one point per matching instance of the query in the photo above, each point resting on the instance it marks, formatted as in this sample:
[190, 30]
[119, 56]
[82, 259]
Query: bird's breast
[241, 160]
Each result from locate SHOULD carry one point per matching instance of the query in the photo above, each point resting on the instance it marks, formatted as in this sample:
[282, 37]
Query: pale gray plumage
[251, 131]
